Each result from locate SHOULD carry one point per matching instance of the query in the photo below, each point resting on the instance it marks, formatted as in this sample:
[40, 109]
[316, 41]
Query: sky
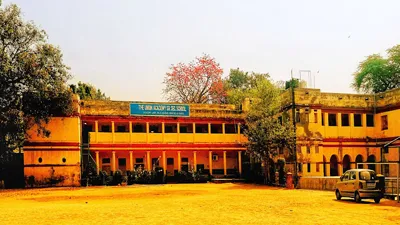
[126, 47]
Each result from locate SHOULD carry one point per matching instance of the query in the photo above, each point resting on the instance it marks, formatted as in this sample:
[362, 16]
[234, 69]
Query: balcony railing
[126, 137]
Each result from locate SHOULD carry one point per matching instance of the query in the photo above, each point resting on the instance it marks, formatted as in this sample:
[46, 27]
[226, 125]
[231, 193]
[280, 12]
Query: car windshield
[367, 175]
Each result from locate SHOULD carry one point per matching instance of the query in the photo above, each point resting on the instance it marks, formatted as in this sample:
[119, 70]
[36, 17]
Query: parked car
[359, 184]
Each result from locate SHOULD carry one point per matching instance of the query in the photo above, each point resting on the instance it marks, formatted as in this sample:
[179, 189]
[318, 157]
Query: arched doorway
[334, 166]
[324, 165]
[359, 159]
[371, 158]
[346, 163]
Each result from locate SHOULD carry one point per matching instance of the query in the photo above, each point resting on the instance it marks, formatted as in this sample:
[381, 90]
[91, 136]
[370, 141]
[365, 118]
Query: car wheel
[377, 200]
[357, 197]
[338, 196]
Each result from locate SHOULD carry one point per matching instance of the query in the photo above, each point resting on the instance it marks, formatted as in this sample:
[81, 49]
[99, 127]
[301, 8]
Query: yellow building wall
[52, 157]
[68, 175]
[63, 129]
[63, 143]
[393, 124]
[337, 140]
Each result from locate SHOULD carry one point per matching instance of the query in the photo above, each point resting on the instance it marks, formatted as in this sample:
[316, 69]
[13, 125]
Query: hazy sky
[126, 47]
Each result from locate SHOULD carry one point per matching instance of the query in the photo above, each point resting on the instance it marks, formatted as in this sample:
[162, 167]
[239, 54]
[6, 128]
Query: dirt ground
[188, 204]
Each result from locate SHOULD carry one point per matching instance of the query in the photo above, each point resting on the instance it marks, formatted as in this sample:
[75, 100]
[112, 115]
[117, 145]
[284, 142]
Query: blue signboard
[150, 109]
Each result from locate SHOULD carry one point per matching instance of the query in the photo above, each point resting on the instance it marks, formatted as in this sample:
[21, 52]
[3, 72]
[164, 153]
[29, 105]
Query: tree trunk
[266, 171]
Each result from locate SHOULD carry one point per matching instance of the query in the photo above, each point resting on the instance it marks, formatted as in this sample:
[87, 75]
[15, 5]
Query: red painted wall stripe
[51, 149]
[160, 119]
[32, 143]
[51, 165]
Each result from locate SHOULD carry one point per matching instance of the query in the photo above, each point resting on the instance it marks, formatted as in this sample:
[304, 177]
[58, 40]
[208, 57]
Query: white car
[359, 184]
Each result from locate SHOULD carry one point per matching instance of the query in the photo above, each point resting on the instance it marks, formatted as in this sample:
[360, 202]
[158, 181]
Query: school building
[334, 132]
[116, 135]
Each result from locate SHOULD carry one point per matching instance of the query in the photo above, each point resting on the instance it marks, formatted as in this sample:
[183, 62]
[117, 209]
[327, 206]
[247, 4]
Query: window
[186, 128]
[317, 167]
[317, 149]
[139, 162]
[352, 175]
[105, 160]
[323, 119]
[171, 128]
[230, 129]
[367, 175]
[370, 120]
[315, 116]
[105, 128]
[345, 177]
[216, 128]
[40, 160]
[64, 160]
[139, 128]
[214, 157]
[202, 128]
[300, 165]
[122, 162]
[357, 120]
[170, 161]
[332, 120]
[297, 116]
[121, 128]
[384, 122]
[308, 149]
[155, 128]
[185, 160]
[308, 167]
[345, 120]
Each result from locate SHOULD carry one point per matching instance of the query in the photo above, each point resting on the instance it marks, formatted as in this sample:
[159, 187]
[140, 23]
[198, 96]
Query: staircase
[88, 165]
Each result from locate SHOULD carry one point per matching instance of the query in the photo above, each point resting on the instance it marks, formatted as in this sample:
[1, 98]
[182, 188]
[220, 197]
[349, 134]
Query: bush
[191, 176]
[254, 176]
[142, 176]
[185, 177]
[117, 178]
[31, 181]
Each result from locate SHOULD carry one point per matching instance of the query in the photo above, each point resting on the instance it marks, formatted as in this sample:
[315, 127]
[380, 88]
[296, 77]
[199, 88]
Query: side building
[335, 131]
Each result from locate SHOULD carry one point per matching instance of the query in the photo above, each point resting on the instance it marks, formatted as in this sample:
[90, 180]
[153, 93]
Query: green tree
[265, 132]
[240, 85]
[32, 80]
[88, 92]
[378, 74]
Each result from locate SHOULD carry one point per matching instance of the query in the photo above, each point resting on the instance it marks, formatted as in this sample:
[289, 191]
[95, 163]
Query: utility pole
[294, 127]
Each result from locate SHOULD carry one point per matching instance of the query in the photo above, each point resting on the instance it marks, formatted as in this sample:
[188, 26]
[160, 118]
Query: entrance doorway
[346, 163]
[334, 166]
